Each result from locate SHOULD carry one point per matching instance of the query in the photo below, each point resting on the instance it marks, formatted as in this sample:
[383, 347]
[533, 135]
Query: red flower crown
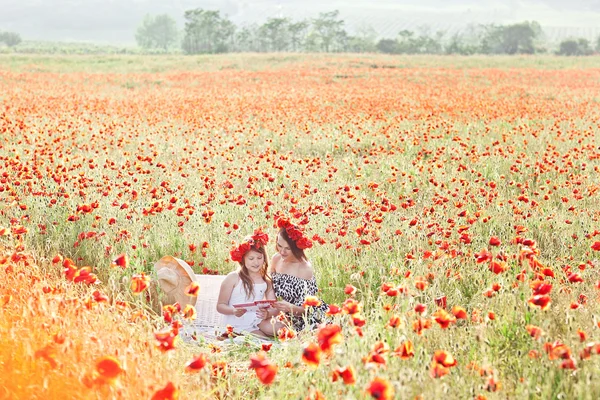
[295, 233]
[256, 241]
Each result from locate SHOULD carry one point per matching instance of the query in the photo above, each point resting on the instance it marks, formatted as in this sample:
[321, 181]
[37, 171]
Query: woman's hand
[238, 312]
[285, 307]
[262, 313]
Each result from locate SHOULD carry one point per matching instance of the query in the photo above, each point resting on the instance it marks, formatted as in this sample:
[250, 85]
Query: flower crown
[256, 241]
[295, 233]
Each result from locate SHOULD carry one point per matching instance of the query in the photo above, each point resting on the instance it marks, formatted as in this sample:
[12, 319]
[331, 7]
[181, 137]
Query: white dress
[249, 321]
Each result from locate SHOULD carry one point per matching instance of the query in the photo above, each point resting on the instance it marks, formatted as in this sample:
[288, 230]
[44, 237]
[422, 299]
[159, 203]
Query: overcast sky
[116, 20]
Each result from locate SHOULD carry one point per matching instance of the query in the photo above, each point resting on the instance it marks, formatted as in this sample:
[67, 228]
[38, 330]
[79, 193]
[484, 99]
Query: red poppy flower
[380, 389]
[197, 363]
[120, 261]
[542, 301]
[139, 282]
[329, 335]
[349, 289]
[495, 241]
[311, 301]
[265, 370]
[311, 355]
[169, 392]
[405, 350]
[193, 289]
[443, 318]
[333, 310]
[108, 369]
[347, 374]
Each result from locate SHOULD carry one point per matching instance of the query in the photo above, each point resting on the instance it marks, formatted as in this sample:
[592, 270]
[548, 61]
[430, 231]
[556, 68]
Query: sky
[115, 21]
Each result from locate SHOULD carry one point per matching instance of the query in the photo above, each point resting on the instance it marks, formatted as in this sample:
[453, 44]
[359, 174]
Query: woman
[293, 278]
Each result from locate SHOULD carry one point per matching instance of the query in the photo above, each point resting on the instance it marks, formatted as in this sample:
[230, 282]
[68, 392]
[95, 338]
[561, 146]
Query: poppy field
[453, 205]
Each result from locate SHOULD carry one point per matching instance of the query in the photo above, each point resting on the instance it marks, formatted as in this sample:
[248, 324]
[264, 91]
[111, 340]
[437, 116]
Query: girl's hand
[238, 312]
[262, 313]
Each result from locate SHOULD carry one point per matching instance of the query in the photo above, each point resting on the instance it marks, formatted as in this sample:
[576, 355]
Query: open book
[255, 305]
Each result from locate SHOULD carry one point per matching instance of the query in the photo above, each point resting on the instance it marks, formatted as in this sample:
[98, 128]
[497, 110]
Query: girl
[294, 278]
[250, 282]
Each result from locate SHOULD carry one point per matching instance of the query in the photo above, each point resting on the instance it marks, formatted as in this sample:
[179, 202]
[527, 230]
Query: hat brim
[186, 275]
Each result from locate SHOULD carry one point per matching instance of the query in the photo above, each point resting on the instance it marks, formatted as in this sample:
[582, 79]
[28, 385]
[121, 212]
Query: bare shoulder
[231, 279]
[305, 270]
[275, 260]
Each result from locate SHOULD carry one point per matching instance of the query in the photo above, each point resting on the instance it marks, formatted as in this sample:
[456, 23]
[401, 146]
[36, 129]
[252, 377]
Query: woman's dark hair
[297, 252]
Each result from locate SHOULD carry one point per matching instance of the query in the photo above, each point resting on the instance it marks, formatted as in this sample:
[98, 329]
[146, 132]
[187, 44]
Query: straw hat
[174, 275]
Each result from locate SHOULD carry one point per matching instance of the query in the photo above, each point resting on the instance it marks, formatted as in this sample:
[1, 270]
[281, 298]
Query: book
[255, 304]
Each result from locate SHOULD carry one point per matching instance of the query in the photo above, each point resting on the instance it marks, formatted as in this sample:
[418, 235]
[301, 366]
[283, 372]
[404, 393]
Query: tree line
[209, 32]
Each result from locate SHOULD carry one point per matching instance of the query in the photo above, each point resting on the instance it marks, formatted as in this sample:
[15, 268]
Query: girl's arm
[269, 295]
[227, 286]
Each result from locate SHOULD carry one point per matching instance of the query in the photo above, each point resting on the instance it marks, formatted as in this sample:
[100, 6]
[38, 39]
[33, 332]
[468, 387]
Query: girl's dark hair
[297, 252]
[245, 277]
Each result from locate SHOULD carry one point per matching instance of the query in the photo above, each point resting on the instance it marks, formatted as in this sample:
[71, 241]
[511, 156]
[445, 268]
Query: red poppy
[193, 289]
[265, 370]
[197, 363]
[108, 369]
[405, 350]
[483, 256]
[534, 331]
[495, 241]
[333, 310]
[169, 392]
[139, 282]
[540, 300]
[266, 346]
[380, 389]
[498, 267]
[328, 336]
[349, 289]
[311, 301]
[443, 318]
[394, 322]
[311, 355]
[347, 374]
[120, 261]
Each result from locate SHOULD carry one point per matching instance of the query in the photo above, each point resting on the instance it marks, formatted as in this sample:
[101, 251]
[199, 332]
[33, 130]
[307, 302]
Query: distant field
[458, 195]
[258, 62]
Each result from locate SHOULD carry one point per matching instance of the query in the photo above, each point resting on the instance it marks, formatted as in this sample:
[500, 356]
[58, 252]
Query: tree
[158, 32]
[297, 32]
[575, 47]
[275, 33]
[388, 46]
[246, 39]
[10, 38]
[328, 32]
[207, 32]
[363, 41]
[598, 44]
[511, 39]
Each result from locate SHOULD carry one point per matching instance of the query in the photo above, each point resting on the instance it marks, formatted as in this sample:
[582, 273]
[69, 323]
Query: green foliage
[158, 32]
[328, 34]
[11, 39]
[510, 39]
[575, 47]
[207, 32]
[275, 35]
